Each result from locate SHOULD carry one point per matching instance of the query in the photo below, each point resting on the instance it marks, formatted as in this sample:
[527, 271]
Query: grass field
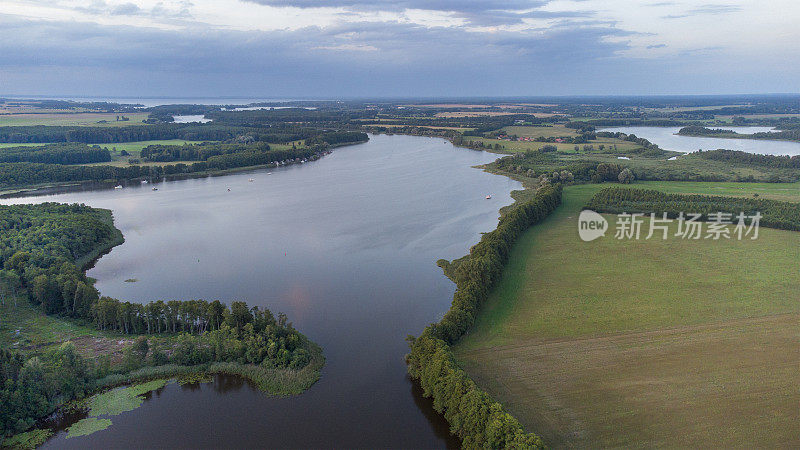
[646, 343]
[6, 145]
[62, 119]
[787, 192]
[24, 328]
[554, 131]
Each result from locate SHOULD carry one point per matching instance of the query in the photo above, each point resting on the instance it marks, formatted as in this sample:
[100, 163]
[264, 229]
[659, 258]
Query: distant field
[6, 145]
[82, 119]
[554, 131]
[455, 114]
[645, 343]
[523, 146]
[534, 132]
[787, 192]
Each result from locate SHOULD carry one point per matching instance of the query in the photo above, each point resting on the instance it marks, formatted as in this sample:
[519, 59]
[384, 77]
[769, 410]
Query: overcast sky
[358, 48]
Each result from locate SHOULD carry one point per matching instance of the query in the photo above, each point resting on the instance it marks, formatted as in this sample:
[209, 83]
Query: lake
[668, 139]
[346, 246]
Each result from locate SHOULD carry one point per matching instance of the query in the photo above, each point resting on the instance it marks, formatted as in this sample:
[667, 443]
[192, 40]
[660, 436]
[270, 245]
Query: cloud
[715, 9]
[126, 9]
[477, 12]
[361, 48]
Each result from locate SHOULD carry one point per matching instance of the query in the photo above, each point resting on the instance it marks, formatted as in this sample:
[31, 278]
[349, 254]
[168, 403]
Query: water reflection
[346, 246]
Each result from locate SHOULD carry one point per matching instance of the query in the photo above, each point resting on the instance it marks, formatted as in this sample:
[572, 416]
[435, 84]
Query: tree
[626, 176]
[141, 347]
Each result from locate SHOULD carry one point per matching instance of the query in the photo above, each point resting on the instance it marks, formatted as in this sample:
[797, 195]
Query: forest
[99, 135]
[788, 133]
[41, 249]
[739, 157]
[69, 153]
[17, 174]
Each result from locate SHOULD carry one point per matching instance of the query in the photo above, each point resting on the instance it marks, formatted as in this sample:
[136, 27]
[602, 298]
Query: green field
[787, 192]
[6, 145]
[70, 118]
[645, 343]
[25, 328]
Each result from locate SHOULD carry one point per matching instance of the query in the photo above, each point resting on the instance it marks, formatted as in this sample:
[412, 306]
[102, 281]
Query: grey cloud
[126, 9]
[477, 12]
[715, 9]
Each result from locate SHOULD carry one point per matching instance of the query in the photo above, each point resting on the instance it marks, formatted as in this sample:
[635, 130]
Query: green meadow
[645, 343]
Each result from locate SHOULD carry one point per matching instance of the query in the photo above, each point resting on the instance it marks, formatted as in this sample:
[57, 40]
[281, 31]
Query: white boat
[488, 196]
[119, 186]
[251, 180]
[155, 188]
[144, 181]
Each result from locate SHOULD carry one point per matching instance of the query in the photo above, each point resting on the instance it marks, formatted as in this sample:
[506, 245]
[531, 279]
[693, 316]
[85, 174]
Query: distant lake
[668, 139]
[346, 246]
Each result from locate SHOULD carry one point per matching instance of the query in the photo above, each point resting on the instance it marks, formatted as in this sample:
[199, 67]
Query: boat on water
[155, 188]
[119, 186]
[488, 197]
[251, 180]
[144, 181]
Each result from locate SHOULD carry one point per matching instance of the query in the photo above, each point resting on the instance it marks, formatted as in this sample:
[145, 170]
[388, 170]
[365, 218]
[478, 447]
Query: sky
[327, 49]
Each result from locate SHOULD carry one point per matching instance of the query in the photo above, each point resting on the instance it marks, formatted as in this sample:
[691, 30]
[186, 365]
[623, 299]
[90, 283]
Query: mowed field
[554, 131]
[72, 118]
[647, 343]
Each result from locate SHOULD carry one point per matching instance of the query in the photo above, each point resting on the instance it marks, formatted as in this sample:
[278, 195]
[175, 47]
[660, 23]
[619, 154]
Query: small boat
[144, 181]
[119, 186]
[229, 189]
[488, 197]
[251, 180]
[155, 188]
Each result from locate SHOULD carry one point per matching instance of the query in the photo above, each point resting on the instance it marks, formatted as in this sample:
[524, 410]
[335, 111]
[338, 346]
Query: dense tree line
[645, 122]
[696, 130]
[775, 214]
[197, 152]
[26, 174]
[317, 117]
[71, 153]
[788, 134]
[740, 157]
[98, 135]
[335, 138]
[473, 416]
[532, 163]
[207, 150]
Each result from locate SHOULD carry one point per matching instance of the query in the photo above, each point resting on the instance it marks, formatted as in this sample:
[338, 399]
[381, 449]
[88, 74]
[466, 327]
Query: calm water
[346, 246]
[667, 139]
